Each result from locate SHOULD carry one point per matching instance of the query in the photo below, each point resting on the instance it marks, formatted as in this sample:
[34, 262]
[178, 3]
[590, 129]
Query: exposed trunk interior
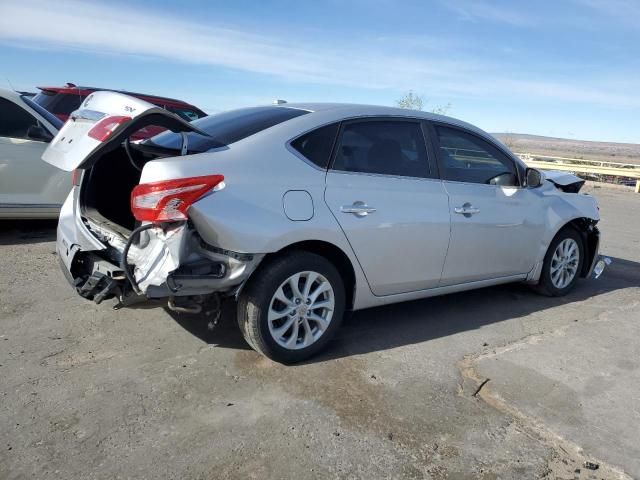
[107, 185]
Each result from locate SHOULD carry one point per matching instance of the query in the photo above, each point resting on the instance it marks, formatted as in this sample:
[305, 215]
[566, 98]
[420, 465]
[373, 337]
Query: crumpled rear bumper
[169, 261]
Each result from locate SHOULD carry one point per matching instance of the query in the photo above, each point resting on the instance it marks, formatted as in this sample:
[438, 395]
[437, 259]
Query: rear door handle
[467, 210]
[359, 209]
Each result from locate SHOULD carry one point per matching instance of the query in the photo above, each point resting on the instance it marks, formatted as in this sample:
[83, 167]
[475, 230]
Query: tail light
[76, 175]
[105, 127]
[169, 200]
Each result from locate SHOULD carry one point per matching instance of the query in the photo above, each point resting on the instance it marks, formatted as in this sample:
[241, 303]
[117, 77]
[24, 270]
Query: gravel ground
[91, 392]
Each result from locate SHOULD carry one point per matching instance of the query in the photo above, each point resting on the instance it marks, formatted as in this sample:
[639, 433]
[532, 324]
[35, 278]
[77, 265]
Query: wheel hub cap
[564, 263]
[300, 310]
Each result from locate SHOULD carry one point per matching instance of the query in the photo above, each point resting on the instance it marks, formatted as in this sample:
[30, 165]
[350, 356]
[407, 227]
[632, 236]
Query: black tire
[255, 301]
[545, 285]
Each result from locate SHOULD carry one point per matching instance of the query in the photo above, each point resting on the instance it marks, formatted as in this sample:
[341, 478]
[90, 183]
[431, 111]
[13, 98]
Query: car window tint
[467, 158]
[384, 147]
[184, 113]
[227, 127]
[59, 103]
[14, 120]
[316, 145]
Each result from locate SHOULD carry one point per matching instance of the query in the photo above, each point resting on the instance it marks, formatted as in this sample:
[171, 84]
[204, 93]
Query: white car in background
[29, 187]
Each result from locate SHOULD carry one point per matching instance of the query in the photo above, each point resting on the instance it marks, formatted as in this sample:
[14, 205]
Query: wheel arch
[332, 253]
[590, 236]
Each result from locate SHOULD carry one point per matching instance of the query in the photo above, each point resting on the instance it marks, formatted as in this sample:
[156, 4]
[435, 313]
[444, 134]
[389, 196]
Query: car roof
[10, 94]
[346, 110]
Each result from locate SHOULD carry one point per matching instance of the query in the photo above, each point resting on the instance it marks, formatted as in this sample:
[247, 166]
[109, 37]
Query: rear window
[316, 146]
[52, 119]
[187, 114]
[227, 127]
[58, 103]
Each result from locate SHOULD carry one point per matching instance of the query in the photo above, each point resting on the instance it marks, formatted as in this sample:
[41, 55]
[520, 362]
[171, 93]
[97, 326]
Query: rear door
[383, 191]
[25, 181]
[496, 225]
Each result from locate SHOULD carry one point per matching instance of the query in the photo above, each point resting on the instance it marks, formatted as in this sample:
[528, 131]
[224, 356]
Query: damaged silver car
[300, 212]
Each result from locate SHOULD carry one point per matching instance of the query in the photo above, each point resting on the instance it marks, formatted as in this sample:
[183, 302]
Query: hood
[567, 182]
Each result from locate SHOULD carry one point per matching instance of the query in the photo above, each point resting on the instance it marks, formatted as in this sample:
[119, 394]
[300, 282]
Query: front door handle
[467, 210]
[359, 209]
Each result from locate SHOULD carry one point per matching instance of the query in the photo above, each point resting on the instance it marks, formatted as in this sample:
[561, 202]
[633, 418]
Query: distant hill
[563, 147]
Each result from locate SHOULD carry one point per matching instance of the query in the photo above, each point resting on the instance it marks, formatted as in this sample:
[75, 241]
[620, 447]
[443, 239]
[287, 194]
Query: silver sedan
[300, 212]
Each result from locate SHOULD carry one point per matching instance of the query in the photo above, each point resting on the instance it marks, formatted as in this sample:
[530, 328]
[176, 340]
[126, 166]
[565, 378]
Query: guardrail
[588, 167]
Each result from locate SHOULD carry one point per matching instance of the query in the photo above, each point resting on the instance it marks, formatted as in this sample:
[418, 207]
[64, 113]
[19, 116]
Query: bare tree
[509, 140]
[411, 101]
[441, 109]
[414, 101]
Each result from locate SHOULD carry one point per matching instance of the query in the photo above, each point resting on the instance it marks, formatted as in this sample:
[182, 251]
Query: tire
[267, 305]
[550, 284]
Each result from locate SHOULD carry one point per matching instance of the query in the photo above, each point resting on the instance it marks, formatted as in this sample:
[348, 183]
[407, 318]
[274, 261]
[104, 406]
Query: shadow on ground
[390, 326]
[20, 232]
[419, 321]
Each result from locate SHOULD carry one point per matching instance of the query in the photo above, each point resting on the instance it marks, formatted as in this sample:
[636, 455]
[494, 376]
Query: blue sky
[567, 68]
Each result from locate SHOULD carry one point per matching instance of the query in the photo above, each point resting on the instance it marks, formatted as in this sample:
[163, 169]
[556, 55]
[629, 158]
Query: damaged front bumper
[166, 261]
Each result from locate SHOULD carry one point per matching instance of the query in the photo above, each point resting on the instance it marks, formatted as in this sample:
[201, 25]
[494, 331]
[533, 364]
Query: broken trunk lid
[567, 182]
[103, 122]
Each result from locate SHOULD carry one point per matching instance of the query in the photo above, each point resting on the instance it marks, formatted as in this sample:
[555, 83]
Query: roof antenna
[10, 85]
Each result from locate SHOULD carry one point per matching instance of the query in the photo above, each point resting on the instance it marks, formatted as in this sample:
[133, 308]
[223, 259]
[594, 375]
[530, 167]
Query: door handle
[359, 209]
[467, 210]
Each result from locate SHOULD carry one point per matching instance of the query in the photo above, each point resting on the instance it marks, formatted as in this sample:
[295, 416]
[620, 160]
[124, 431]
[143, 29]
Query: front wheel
[292, 306]
[562, 264]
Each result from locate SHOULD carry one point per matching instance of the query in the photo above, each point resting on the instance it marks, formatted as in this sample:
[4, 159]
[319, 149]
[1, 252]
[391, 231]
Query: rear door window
[316, 146]
[464, 157]
[386, 147]
[14, 120]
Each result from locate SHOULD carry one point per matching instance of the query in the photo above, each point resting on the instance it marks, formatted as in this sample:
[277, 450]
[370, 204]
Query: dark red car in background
[61, 101]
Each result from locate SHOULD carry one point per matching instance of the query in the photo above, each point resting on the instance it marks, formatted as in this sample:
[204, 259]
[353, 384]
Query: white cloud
[383, 64]
[477, 10]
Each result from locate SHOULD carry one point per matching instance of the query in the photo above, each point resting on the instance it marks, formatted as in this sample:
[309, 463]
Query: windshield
[227, 127]
[51, 118]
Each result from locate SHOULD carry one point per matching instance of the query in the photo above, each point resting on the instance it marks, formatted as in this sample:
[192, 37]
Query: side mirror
[534, 178]
[37, 132]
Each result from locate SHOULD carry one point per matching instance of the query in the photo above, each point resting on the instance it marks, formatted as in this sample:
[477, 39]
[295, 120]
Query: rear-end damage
[139, 242]
[167, 261]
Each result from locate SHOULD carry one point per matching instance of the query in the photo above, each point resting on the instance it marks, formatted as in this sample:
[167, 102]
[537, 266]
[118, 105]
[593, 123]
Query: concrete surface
[89, 392]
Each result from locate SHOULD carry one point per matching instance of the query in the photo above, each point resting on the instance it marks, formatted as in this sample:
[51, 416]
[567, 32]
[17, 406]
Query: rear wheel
[562, 264]
[292, 306]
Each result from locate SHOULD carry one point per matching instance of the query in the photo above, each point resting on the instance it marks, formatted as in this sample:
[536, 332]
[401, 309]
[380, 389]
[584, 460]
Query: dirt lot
[496, 383]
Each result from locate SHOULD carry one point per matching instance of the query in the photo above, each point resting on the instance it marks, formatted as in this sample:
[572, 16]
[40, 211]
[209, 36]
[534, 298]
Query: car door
[496, 226]
[25, 180]
[383, 191]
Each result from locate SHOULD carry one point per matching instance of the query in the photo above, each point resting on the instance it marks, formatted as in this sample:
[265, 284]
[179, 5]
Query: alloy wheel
[564, 263]
[301, 310]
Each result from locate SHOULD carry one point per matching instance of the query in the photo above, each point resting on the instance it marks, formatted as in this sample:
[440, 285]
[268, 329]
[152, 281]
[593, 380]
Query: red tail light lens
[105, 127]
[169, 200]
[75, 177]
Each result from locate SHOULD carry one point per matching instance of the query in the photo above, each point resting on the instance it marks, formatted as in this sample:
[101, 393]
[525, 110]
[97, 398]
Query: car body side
[29, 188]
[248, 215]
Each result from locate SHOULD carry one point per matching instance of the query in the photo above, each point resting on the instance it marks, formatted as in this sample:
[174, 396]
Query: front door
[382, 191]
[496, 225]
